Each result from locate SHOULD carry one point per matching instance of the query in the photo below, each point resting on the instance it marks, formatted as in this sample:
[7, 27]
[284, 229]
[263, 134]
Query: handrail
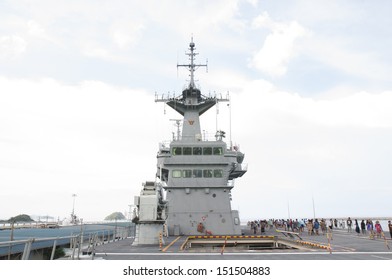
[75, 240]
[28, 244]
[7, 243]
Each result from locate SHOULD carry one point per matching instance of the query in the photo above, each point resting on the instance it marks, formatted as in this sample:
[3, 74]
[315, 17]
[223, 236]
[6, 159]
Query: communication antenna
[216, 114]
[73, 216]
[178, 124]
[73, 204]
[192, 67]
[229, 105]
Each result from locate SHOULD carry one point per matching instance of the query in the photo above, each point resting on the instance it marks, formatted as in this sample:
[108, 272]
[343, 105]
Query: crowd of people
[321, 226]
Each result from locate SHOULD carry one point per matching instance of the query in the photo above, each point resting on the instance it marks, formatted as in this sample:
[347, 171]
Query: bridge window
[176, 173]
[207, 151]
[197, 151]
[197, 173]
[207, 173]
[187, 151]
[218, 151]
[187, 173]
[218, 173]
[176, 151]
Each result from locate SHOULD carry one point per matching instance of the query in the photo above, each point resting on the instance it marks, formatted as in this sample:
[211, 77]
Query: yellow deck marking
[168, 246]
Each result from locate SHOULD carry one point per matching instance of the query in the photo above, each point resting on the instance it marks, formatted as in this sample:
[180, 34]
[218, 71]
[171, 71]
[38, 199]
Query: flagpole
[314, 210]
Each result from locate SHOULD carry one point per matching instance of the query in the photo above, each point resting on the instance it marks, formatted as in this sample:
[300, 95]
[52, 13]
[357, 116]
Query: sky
[309, 82]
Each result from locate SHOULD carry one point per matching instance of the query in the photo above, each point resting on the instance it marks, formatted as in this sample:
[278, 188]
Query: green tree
[115, 216]
[23, 218]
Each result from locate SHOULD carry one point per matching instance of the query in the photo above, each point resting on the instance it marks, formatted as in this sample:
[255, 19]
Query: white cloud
[35, 29]
[343, 55]
[278, 47]
[263, 21]
[12, 47]
[126, 34]
[60, 139]
[89, 49]
[358, 109]
[336, 149]
[195, 17]
[254, 3]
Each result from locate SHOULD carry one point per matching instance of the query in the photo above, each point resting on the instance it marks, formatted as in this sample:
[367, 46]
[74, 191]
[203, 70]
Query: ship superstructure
[198, 175]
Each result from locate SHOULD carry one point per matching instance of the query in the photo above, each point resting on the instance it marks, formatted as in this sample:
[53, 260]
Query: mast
[191, 103]
[192, 67]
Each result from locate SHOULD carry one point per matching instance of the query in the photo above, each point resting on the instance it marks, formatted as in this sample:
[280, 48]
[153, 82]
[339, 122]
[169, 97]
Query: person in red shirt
[378, 229]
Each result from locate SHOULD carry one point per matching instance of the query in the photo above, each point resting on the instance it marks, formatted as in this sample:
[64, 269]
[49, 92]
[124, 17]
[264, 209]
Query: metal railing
[29, 242]
[77, 243]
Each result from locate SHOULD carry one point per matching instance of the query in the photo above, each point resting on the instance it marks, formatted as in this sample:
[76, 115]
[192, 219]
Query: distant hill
[115, 216]
[23, 218]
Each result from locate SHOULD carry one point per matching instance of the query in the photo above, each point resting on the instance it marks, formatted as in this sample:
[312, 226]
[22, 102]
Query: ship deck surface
[343, 246]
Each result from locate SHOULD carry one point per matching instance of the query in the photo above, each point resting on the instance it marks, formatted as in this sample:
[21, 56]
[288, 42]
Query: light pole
[73, 208]
[314, 209]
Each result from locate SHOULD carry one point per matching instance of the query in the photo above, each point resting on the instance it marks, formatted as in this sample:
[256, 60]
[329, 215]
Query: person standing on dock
[357, 230]
[370, 228]
[349, 224]
[316, 226]
[343, 224]
[323, 226]
[330, 224]
[309, 226]
[363, 227]
[378, 229]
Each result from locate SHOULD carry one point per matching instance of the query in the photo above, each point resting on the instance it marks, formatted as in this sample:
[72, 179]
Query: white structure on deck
[150, 214]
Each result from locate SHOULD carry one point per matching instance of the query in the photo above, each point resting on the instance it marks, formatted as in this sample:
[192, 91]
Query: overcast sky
[310, 83]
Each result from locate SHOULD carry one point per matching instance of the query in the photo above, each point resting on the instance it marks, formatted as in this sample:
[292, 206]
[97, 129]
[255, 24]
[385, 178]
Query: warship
[197, 175]
[188, 206]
